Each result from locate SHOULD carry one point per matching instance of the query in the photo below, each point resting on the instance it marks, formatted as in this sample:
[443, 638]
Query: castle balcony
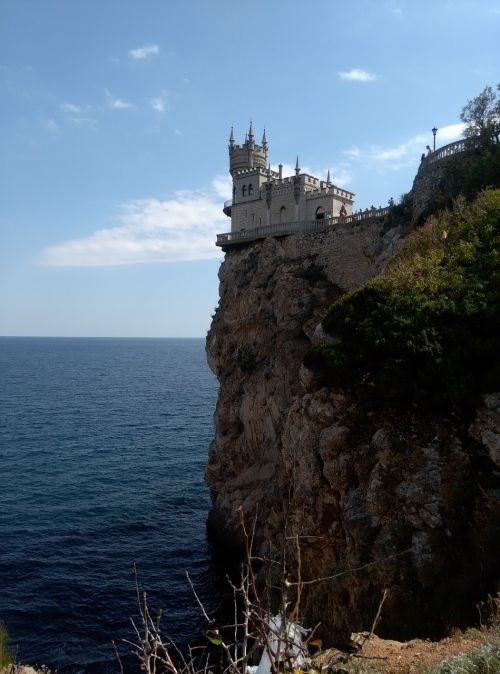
[227, 207]
[243, 236]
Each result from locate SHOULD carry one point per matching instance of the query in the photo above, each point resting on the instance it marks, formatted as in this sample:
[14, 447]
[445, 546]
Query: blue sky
[115, 119]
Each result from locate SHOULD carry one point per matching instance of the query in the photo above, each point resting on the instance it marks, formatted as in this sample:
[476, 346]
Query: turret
[248, 155]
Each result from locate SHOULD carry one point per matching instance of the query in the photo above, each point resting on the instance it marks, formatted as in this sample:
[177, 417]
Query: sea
[103, 446]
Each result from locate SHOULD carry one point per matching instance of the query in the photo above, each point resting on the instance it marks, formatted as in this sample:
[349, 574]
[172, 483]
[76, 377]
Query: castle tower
[248, 155]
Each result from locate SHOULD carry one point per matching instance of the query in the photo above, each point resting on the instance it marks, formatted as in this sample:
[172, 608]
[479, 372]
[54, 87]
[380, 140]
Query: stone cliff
[411, 498]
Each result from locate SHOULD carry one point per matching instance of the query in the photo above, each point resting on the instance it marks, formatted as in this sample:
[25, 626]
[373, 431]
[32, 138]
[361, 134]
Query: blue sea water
[103, 444]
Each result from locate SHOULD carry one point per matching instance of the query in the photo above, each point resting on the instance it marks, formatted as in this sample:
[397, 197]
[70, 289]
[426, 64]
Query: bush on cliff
[479, 167]
[427, 330]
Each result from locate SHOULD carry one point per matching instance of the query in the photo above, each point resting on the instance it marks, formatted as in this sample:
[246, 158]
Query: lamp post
[434, 131]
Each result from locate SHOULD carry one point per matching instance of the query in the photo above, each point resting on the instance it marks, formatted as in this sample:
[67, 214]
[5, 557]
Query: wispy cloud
[50, 125]
[145, 52]
[450, 133]
[71, 109]
[357, 75]
[352, 153]
[182, 228]
[223, 186]
[159, 103]
[77, 115]
[341, 175]
[415, 146]
[83, 122]
[408, 148]
[116, 103]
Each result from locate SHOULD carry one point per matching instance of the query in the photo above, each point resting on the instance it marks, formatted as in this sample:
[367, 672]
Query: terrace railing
[301, 227]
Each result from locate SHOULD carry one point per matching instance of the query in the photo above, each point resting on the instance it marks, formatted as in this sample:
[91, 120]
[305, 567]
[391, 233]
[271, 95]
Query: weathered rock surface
[410, 501]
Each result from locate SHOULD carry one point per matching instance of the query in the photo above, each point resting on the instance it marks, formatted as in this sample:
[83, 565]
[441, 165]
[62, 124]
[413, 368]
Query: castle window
[282, 214]
[244, 190]
[250, 189]
[320, 213]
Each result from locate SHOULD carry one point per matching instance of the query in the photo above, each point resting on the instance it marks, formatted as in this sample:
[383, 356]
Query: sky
[115, 117]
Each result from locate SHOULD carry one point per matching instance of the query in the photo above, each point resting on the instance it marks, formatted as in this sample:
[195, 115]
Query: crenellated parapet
[248, 156]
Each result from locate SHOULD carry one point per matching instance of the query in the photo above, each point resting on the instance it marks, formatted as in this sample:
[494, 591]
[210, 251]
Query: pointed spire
[264, 139]
[250, 131]
[328, 178]
[231, 138]
[297, 167]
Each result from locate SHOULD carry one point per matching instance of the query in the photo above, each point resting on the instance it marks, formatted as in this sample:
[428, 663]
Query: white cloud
[50, 125]
[223, 186]
[353, 152]
[145, 52]
[289, 169]
[409, 148]
[116, 103]
[357, 75]
[159, 104]
[83, 121]
[79, 115]
[179, 229]
[71, 109]
[341, 176]
[414, 146]
[449, 133]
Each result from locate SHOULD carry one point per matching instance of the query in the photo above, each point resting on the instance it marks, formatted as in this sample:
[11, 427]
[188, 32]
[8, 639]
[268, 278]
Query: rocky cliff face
[412, 502]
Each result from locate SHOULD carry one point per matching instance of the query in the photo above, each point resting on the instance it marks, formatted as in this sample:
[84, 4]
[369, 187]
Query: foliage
[399, 213]
[481, 117]
[467, 175]
[484, 660]
[479, 166]
[426, 331]
[6, 655]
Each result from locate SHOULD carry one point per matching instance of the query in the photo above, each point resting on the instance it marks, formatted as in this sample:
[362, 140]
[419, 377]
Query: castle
[264, 198]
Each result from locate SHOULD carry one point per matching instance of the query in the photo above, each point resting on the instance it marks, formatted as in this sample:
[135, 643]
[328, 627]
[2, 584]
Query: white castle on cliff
[262, 197]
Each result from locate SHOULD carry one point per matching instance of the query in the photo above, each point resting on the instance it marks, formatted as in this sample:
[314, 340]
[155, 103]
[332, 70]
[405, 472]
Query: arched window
[244, 190]
[282, 214]
[320, 213]
[250, 189]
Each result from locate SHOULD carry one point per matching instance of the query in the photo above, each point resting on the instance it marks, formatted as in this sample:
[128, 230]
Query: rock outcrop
[380, 498]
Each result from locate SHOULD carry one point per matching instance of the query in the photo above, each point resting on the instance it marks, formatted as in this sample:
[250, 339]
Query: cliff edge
[379, 497]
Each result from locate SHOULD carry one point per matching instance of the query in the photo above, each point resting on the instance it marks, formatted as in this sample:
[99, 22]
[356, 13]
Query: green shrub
[484, 660]
[467, 175]
[428, 329]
